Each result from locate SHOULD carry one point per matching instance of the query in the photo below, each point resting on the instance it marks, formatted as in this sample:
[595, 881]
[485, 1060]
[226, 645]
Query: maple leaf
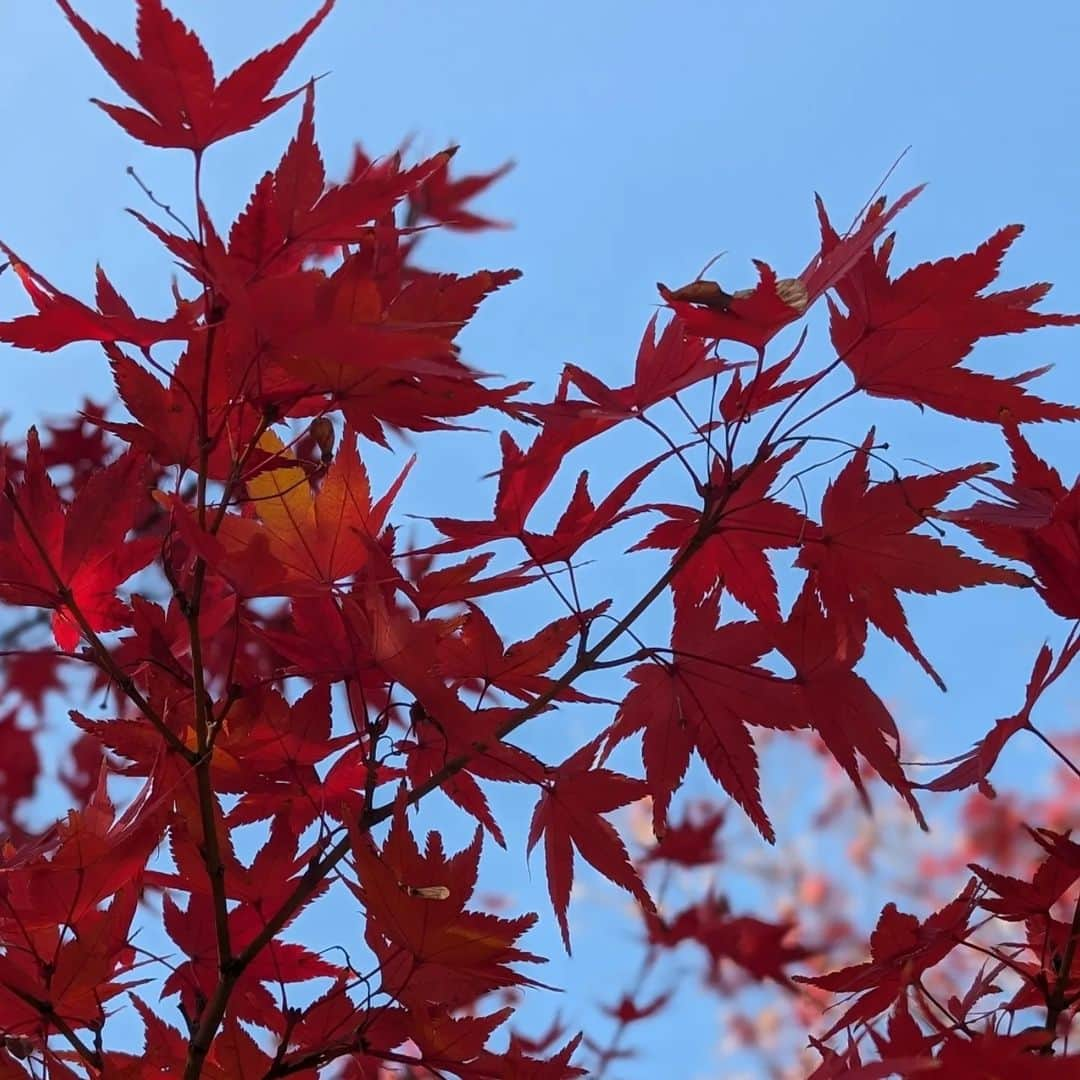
[61, 319]
[905, 337]
[1025, 503]
[50, 553]
[764, 388]
[759, 948]
[837, 703]
[755, 316]
[864, 551]
[1051, 880]
[664, 366]
[71, 967]
[1036, 520]
[689, 842]
[901, 949]
[1004, 1057]
[264, 886]
[295, 541]
[32, 675]
[167, 425]
[20, 765]
[583, 520]
[445, 728]
[429, 589]
[441, 199]
[568, 816]
[973, 767]
[432, 948]
[63, 944]
[516, 1065]
[746, 523]
[702, 700]
[172, 79]
[267, 741]
[1054, 554]
[523, 477]
[294, 212]
[477, 655]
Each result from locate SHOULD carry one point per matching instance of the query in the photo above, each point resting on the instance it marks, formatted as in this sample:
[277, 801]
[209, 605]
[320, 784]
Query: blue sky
[648, 138]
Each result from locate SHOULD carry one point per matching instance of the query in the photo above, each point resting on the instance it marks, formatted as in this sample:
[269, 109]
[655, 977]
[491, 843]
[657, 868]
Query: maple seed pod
[322, 431]
[428, 892]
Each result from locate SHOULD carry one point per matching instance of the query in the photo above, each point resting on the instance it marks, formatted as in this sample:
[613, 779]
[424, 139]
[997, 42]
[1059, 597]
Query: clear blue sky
[648, 138]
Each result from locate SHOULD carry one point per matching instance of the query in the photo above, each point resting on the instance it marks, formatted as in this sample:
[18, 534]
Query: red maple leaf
[1052, 879]
[568, 816]
[905, 337]
[50, 552]
[689, 842]
[441, 199]
[747, 523]
[172, 79]
[702, 700]
[431, 947]
[477, 657]
[834, 701]
[901, 949]
[973, 767]
[755, 316]
[61, 319]
[864, 551]
[1035, 519]
[665, 365]
[759, 948]
[294, 541]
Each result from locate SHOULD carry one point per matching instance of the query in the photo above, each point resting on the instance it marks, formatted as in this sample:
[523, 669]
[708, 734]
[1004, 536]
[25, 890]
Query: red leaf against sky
[293, 210]
[523, 477]
[20, 766]
[61, 319]
[442, 727]
[172, 79]
[429, 589]
[1025, 503]
[432, 948]
[761, 389]
[837, 703]
[755, 316]
[583, 520]
[864, 551]
[568, 817]
[664, 366]
[748, 522]
[48, 547]
[975, 765]
[1004, 1057]
[901, 949]
[1052, 879]
[477, 657]
[1036, 520]
[295, 541]
[272, 875]
[702, 700]
[759, 948]
[692, 841]
[31, 675]
[905, 337]
[166, 425]
[443, 200]
[1054, 554]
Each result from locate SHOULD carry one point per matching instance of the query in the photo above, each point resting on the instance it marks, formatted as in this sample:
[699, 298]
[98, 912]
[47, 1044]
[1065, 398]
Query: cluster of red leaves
[242, 500]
